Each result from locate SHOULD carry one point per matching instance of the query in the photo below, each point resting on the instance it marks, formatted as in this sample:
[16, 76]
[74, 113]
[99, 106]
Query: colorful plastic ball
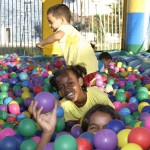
[142, 105]
[76, 130]
[36, 139]
[25, 95]
[60, 112]
[45, 100]
[49, 146]
[28, 145]
[115, 125]
[19, 138]
[98, 76]
[140, 136]
[84, 144]
[3, 95]
[146, 109]
[3, 107]
[131, 146]
[60, 125]
[9, 143]
[123, 137]
[58, 63]
[37, 89]
[134, 100]
[147, 122]
[62, 133]
[132, 106]
[117, 105]
[3, 115]
[132, 92]
[4, 87]
[141, 96]
[23, 76]
[143, 116]
[14, 109]
[120, 97]
[108, 139]
[88, 136]
[124, 112]
[99, 82]
[66, 142]
[6, 132]
[27, 127]
[27, 102]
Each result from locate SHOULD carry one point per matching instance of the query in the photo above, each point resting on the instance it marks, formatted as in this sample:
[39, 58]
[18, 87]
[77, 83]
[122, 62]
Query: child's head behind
[69, 81]
[98, 117]
[106, 58]
[60, 10]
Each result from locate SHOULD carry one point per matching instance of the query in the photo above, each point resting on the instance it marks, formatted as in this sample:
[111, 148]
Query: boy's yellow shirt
[77, 50]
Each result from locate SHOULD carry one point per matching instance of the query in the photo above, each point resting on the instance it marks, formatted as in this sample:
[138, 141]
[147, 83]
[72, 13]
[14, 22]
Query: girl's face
[69, 86]
[54, 23]
[98, 121]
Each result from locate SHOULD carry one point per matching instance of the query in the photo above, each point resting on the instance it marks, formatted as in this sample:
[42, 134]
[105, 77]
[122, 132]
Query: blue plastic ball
[60, 112]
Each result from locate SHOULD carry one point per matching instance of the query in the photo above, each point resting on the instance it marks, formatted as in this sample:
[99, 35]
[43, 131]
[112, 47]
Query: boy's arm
[51, 39]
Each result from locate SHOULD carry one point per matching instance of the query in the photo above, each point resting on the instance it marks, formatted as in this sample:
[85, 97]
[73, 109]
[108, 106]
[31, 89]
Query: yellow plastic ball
[147, 86]
[27, 114]
[125, 74]
[131, 146]
[129, 68]
[18, 59]
[123, 137]
[119, 64]
[2, 121]
[25, 89]
[13, 102]
[142, 105]
[48, 63]
[109, 88]
[137, 124]
[25, 95]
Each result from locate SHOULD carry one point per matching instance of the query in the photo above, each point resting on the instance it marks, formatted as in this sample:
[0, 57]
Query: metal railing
[100, 21]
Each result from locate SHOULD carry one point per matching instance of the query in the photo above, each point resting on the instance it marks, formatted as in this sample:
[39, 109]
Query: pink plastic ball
[131, 77]
[14, 109]
[36, 139]
[7, 132]
[121, 83]
[99, 82]
[117, 105]
[147, 122]
[98, 76]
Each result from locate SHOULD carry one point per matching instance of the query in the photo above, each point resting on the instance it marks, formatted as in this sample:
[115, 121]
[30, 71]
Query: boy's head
[106, 58]
[57, 14]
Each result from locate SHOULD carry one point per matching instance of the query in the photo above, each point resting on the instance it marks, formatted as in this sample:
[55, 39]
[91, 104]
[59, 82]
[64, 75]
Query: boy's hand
[46, 121]
[39, 46]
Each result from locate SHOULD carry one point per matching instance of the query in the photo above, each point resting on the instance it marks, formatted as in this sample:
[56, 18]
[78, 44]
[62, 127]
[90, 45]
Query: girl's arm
[51, 39]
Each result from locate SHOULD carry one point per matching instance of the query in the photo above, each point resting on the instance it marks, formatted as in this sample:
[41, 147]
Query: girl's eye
[60, 88]
[70, 83]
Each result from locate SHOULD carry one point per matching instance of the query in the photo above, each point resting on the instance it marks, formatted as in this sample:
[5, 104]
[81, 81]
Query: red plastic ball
[83, 144]
[37, 89]
[140, 136]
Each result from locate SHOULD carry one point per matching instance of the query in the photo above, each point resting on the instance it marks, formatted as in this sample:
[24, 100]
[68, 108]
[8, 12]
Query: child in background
[104, 60]
[98, 117]
[75, 48]
[93, 121]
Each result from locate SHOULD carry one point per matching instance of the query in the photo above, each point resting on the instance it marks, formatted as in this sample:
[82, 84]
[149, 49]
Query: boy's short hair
[60, 10]
[104, 55]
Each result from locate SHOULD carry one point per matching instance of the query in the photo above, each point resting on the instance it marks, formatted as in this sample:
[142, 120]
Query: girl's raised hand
[46, 121]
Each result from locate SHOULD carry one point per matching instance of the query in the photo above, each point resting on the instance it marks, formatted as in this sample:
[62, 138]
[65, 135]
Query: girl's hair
[99, 107]
[77, 70]
[60, 10]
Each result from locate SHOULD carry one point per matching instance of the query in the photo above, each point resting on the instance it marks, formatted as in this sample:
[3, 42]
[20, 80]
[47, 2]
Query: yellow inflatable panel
[138, 6]
[54, 48]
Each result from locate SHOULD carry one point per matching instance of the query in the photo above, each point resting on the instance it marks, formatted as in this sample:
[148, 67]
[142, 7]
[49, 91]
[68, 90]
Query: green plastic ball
[120, 97]
[28, 145]
[65, 142]
[27, 127]
[60, 125]
[141, 95]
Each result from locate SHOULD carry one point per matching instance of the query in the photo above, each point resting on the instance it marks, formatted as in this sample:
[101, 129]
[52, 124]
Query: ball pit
[22, 80]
